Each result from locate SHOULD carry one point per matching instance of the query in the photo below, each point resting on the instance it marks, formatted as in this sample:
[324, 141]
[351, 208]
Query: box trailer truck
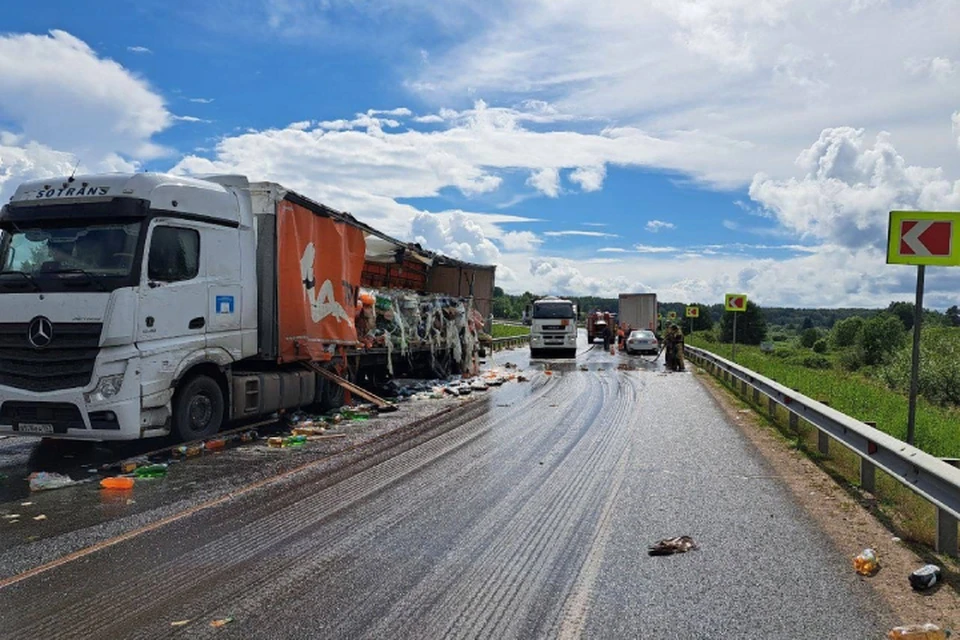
[136, 305]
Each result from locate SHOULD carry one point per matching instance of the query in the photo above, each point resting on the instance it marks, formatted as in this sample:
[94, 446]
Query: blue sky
[688, 148]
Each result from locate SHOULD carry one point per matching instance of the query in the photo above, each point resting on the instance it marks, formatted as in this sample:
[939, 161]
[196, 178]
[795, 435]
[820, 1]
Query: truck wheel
[198, 409]
[332, 396]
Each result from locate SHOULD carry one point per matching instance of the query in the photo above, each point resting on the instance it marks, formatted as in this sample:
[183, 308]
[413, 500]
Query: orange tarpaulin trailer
[319, 263]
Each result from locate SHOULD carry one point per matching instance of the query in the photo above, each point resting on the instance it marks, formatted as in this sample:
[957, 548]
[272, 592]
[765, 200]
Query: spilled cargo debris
[670, 546]
[45, 481]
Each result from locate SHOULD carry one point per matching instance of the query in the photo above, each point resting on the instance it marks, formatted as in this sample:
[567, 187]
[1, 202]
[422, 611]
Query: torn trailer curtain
[319, 263]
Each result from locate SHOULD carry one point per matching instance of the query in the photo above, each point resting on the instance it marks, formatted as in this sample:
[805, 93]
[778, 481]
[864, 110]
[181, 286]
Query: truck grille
[66, 363]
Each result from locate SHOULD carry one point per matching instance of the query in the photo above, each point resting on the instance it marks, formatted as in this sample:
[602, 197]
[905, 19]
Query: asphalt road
[526, 514]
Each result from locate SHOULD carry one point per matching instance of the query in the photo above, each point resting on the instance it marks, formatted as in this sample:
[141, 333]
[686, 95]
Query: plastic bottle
[151, 471]
[866, 562]
[925, 577]
[927, 631]
[121, 483]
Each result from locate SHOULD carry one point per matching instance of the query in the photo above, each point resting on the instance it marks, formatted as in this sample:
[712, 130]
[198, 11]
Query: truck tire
[332, 396]
[198, 409]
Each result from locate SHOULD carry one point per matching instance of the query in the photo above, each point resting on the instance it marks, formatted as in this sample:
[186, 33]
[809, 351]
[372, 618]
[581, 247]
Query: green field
[867, 399]
[509, 330]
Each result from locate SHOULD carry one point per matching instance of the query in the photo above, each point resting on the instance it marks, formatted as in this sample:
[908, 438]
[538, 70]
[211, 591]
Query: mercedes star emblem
[40, 332]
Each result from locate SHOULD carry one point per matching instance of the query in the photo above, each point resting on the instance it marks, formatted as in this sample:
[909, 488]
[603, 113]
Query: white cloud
[589, 178]
[849, 187]
[64, 103]
[575, 232]
[139, 49]
[646, 248]
[520, 241]
[611, 250]
[302, 125]
[546, 181]
[564, 277]
[399, 112]
[757, 80]
[940, 69]
[192, 119]
[458, 237]
[429, 119]
[594, 224]
[653, 226]
[201, 100]
[60, 93]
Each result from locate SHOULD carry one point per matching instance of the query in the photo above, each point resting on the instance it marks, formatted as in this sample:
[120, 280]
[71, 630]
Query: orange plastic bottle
[117, 483]
[927, 631]
[866, 563]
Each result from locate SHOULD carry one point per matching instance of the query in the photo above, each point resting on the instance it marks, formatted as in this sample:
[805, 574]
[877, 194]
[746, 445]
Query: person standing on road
[674, 340]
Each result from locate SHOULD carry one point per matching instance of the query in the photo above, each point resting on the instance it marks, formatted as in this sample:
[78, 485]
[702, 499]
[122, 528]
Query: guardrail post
[946, 533]
[756, 396]
[794, 422]
[823, 440]
[868, 472]
[772, 408]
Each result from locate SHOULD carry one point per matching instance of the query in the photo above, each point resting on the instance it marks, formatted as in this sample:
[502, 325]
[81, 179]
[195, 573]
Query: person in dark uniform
[674, 340]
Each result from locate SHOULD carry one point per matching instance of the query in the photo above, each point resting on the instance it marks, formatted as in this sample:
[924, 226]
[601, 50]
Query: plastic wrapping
[402, 321]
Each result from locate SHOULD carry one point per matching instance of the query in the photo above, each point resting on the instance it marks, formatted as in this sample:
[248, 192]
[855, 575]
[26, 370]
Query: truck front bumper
[76, 414]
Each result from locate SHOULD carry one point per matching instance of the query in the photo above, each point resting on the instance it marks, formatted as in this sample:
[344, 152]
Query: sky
[685, 147]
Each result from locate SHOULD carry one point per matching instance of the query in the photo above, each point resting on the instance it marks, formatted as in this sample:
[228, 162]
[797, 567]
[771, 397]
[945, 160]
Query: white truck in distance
[136, 305]
[553, 327]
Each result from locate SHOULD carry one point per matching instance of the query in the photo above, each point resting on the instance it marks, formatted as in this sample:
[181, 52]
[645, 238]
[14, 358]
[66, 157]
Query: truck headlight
[107, 387]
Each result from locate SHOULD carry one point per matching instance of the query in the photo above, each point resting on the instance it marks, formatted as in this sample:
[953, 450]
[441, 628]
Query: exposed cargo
[132, 305]
[638, 310]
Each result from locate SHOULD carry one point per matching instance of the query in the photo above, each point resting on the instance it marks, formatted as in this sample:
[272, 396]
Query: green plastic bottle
[151, 471]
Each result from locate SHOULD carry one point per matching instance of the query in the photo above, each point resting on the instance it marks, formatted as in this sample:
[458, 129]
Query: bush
[820, 346]
[851, 359]
[779, 337]
[845, 332]
[881, 336]
[939, 379]
[809, 337]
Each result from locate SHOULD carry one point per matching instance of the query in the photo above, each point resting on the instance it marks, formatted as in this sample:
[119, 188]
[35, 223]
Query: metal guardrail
[510, 342]
[926, 475]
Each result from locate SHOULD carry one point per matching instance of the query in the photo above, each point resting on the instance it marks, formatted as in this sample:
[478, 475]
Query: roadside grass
[509, 330]
[937, 428]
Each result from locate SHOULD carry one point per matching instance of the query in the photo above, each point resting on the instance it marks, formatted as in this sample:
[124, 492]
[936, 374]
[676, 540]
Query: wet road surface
[525, 514]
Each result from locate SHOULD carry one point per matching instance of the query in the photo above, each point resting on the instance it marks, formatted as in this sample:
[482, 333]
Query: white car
[642, 342]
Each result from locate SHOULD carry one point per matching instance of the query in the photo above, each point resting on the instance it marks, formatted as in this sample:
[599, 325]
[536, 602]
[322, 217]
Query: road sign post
[922, 238]
[692, 312]
[736, 303]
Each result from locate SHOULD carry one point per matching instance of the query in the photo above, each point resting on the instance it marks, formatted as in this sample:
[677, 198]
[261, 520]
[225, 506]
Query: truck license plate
[35, 427]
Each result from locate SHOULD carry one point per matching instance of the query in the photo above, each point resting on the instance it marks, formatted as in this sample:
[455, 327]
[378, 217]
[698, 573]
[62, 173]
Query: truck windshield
[553, 310]
[57, 248]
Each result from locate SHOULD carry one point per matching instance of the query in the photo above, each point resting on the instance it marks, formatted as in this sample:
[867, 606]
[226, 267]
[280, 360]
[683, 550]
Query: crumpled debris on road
[45, 481]
[670, 546]
[221, 622]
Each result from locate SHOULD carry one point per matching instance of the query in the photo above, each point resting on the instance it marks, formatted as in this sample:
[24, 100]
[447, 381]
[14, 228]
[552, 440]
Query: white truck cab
[112, 289]
[553, 327]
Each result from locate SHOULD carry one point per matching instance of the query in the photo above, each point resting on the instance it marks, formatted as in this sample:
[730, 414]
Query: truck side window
[174, 254]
